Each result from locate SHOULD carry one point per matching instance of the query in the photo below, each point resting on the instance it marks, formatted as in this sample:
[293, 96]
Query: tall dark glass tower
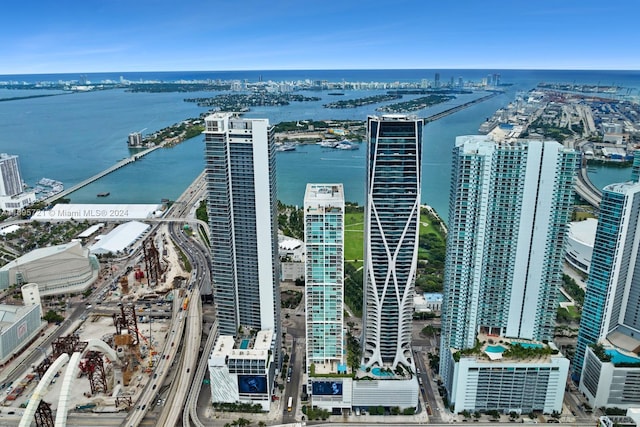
[392, 215]
[241, 186]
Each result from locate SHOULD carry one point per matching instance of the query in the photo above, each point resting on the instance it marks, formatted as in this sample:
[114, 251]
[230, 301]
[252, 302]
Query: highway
[146, 399]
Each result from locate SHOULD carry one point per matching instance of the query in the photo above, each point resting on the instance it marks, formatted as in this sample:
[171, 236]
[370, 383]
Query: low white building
[611, 383]
[290, 248]
[388, 393]
[19, 325]
[120, 239]
[243, 370]
[578, 245]
[60, 269]
[18, 203]
[491, 380]
[335, 393]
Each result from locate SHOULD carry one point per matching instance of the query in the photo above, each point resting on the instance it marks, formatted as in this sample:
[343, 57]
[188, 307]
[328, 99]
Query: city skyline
[152, 36]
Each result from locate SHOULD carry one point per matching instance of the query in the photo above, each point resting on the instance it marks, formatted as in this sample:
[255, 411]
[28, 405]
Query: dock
[99, 175]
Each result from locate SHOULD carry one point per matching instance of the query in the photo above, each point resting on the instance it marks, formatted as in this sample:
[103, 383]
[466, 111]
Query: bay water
[70, 137]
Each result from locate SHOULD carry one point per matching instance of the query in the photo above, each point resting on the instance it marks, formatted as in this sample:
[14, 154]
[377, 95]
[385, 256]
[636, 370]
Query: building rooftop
[584, 231]
[40, 253]
[243, 347]
[323, 195]
[494, 348]
[10, 313]
[89, 231]
[120, 237]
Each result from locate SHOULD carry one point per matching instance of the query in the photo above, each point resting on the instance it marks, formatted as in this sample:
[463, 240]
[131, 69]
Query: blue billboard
[327, 388]
[256, 384]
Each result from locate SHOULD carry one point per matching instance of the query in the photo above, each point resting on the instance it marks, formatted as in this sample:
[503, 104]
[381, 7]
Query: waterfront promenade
[105, 172]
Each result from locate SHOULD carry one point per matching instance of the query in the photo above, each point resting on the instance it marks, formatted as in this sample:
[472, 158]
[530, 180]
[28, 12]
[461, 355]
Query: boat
[286, 147]
[328, 143]
[347, 145]
[336, 93]
[106, 194]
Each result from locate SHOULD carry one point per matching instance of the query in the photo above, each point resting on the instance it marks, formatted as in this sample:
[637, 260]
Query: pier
[97, 176]
[445, 113]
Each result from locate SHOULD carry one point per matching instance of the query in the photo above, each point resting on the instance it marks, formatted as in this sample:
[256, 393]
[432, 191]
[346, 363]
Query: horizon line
[318, 69]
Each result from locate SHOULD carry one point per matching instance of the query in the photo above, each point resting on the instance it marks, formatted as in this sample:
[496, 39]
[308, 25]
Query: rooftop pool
[495, 349]
[244, 344]
[527, 344]
[617, 357]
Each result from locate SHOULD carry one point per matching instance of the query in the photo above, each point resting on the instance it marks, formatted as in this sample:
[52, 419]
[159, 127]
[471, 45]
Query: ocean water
[70, 137]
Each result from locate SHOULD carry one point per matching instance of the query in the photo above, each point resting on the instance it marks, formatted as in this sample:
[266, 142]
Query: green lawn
[354, 234]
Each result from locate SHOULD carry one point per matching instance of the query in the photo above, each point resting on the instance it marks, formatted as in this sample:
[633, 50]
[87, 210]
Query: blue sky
[47, 36]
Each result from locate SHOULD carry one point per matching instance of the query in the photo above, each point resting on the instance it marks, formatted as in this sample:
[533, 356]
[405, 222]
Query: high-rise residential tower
[241, 201]
[392, 215]
[324, 275]
[508, 209]
[606, 360]
[10, 178]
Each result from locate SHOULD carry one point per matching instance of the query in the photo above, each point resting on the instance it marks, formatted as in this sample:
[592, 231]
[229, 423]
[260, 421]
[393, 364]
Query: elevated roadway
[172, 344]
[584, 187]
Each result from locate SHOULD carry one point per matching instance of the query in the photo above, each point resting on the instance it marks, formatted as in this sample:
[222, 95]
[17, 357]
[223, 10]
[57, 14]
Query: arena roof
[584, 231]
[39, 253]
[120, 238]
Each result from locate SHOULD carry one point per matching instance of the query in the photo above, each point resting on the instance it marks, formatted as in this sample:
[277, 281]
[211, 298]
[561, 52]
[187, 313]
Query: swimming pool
[495, 349]
[527, 344]
[617, 357]
[378, 373]
[244, 344]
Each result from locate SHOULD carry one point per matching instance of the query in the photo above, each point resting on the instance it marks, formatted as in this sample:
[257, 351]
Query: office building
[606, 361]
[10, 178]
[241, 202]
[509, 206]
[392, 215]
[324, 276]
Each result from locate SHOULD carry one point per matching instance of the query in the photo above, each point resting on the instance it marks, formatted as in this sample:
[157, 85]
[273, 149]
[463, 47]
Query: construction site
[114, 347]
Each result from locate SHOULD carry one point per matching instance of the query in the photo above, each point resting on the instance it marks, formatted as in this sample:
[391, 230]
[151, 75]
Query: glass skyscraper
[508, 209]
[10, 178]
[324, 275]
[611, 307]
[241, 204]
[392, 215]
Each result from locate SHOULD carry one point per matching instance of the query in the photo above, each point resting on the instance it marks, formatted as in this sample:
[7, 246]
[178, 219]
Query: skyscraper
[508, 208]
[10, 178]
[241, 202]
[610, 374]
[392, 215]
[324, 275]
